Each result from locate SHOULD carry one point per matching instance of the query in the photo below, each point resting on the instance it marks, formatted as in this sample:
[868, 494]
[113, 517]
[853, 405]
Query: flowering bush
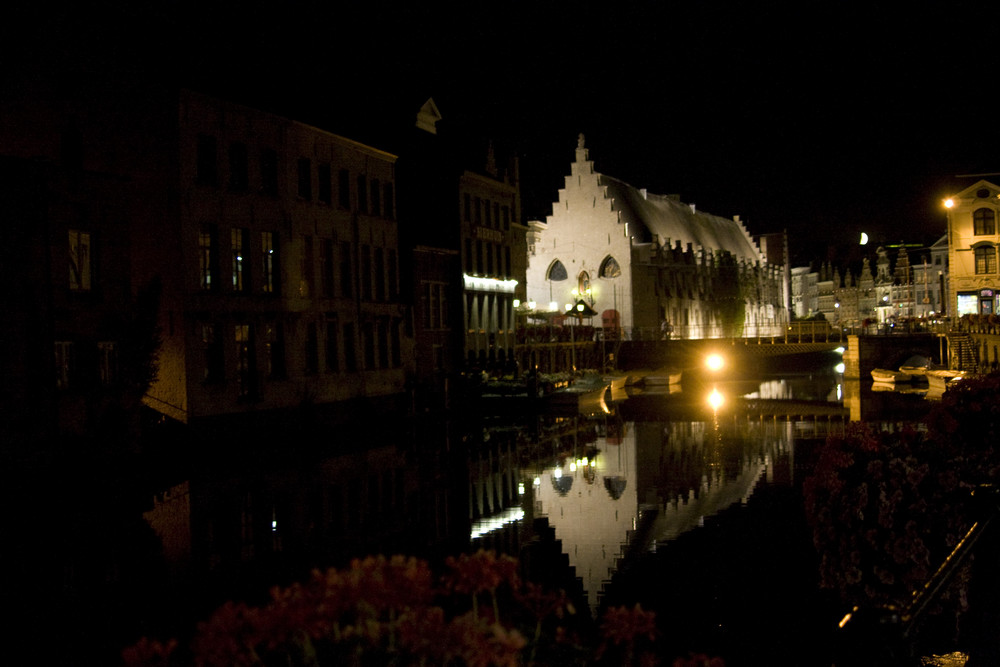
[383, 611]
[886, 507]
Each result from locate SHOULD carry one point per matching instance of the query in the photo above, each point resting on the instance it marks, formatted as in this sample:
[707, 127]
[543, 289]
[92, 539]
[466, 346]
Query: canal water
[695, 512]
[653, 497]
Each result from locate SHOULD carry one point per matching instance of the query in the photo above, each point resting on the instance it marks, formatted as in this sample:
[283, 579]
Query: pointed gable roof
[428, 116]
[981, 189]
[674, 221]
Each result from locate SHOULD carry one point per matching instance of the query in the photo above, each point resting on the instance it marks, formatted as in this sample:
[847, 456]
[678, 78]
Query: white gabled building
[648, 263]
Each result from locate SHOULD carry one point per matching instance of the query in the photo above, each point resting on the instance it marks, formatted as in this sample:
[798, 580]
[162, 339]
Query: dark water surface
[641, 497]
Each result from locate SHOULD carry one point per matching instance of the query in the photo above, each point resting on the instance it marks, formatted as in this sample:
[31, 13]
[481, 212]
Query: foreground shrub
[887, 506]
[382, 611]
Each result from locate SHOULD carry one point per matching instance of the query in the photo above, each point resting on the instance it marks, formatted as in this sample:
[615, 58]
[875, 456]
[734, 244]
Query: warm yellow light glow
[572, 467]
[715, 399]
[714, 362]
[949, 203]
[864, 239]
[569, 306]
[579, 307]
[517, 303]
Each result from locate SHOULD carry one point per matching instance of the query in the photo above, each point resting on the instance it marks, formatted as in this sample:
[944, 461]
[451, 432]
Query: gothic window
[984, 222]
[610, 268]
[556, 272]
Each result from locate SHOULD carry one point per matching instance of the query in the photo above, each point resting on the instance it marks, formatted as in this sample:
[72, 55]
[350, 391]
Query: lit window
[610, 268]
[238, 239]
[269, 257]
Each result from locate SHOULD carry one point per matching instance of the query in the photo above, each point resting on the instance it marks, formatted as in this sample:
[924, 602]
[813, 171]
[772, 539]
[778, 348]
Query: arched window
[556, 272]
[610, 268]
[986, 259]
[984, 222]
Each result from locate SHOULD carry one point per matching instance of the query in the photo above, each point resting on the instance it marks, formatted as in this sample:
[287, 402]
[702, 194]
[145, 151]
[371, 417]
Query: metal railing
[889, 636]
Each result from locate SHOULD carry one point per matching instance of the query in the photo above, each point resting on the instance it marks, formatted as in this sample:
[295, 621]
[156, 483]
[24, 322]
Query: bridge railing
[884, 636]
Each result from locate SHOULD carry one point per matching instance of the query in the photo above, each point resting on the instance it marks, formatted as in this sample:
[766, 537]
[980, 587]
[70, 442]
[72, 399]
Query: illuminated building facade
[972, 250]
[650, 265]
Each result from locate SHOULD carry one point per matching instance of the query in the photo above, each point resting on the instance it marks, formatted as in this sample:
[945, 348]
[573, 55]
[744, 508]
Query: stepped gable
[674, 221]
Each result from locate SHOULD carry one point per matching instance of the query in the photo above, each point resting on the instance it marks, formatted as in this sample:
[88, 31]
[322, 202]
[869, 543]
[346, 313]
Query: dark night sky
[816, 118]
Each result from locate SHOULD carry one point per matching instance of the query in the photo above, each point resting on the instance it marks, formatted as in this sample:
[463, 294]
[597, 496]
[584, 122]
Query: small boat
[939, 379]
[916, 366]
[888, 375]
[662, 377]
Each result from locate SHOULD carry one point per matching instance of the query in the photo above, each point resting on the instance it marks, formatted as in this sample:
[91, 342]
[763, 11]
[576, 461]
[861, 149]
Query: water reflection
[656, 471]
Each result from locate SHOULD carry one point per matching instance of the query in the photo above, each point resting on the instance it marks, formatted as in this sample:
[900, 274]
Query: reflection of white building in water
[658, 480]
[592, 505]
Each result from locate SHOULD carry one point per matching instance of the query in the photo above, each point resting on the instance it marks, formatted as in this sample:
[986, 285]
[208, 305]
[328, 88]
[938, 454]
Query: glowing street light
[714, 362]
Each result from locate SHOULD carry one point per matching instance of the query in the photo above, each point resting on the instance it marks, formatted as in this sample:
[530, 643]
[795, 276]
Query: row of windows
[238, 162]
[487, 259]
[372, 197]
[379, 270]
[330, 342]
[252, 260]
[253, 265]
[609, 269]
[485, 212]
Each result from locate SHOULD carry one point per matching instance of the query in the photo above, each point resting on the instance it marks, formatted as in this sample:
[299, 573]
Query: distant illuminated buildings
[896, 289]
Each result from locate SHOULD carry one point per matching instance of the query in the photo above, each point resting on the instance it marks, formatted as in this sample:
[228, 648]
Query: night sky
[816, 118]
